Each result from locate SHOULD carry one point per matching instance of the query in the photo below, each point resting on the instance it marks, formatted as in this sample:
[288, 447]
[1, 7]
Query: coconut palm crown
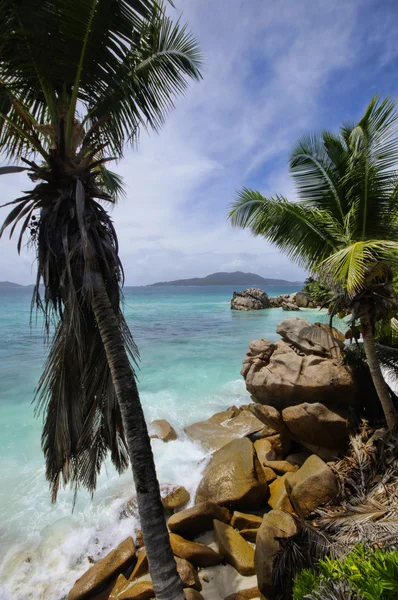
[344, 225]
[79, 79]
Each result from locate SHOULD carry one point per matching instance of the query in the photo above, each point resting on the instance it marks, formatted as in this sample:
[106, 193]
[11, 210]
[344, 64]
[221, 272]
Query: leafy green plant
[371, 574]
[316, 290]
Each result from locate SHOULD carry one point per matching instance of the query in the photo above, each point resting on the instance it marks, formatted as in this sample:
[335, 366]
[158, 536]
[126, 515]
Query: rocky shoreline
[256, 299]
[269, 462]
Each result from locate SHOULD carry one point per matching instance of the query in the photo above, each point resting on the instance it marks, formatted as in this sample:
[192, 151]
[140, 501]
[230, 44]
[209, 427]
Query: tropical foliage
[344, 225]
[316, 290]
[78, 80]
[370, 574]
[364, 514]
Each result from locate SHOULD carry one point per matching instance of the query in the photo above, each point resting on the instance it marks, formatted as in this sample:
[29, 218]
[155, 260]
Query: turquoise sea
[191, 347]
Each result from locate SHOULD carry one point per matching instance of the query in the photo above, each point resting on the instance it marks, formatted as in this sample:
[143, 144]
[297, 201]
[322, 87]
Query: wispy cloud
[272, 72]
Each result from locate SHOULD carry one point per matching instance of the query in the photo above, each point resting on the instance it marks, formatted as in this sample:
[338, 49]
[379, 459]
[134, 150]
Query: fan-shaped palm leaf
[350, 265]
[307, 234]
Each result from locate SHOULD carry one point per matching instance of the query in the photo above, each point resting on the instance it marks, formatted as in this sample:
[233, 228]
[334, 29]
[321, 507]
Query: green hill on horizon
[223, 278]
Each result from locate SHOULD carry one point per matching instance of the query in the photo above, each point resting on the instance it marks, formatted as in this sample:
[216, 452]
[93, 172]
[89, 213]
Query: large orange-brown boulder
[322, 429]
[276, 524]
[234, 548]
[199, 555]
[234, 477]
[305, 366]
[313, 485]
[271, 417]
[198, 519]
[211, 436]
[225, 415]
[104, 571]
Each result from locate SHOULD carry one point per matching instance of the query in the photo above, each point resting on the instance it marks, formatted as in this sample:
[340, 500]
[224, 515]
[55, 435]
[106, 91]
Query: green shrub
[317, 291]
[371, 574]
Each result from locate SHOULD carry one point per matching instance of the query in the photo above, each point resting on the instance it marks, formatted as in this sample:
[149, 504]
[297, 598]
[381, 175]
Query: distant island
[236, 278]
[8, 285]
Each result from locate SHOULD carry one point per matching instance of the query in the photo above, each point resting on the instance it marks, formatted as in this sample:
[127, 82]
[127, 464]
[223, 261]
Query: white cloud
[266, 66]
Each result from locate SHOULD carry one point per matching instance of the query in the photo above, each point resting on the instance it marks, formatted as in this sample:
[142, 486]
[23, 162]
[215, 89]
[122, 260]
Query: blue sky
[273, 71]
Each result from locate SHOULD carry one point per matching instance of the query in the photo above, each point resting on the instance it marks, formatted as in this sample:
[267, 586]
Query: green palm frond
[306, 234]
[371, 176]
[350, 265]
[120, 61]
[111, 183]
[316, 169]
[352, 180]
[153, 72]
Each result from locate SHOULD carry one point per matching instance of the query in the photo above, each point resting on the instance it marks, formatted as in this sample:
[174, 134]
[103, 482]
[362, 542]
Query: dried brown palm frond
[365, 511]
[82, 418]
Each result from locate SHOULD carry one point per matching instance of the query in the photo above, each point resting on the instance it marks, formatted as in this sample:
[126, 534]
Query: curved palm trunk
[166, 582]
[382, 389]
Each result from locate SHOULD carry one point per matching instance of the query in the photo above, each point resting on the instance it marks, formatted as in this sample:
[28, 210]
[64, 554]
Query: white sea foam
[45, 565]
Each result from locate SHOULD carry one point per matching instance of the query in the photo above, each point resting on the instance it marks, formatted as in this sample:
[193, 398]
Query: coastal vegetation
[367, 574]
[343, 228]
[317, 291]
[78, 80]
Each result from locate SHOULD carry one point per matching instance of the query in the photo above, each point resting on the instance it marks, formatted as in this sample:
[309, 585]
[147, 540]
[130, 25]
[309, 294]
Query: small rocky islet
[270, 462]
[257, 299]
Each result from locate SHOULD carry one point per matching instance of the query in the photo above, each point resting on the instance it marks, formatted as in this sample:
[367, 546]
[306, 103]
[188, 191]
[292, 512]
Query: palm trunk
[382, 389]
[162, 566]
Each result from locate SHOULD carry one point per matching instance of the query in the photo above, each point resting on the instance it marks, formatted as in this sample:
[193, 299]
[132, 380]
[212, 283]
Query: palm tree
[78, 79]
[344, 226]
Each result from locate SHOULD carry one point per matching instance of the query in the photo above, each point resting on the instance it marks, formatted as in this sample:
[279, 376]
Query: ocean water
[191, 346]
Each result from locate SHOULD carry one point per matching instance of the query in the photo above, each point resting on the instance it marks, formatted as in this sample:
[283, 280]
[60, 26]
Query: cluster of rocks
[292, 302]
[302, 378]
[245, 503]
[256, 299]
[270, 462]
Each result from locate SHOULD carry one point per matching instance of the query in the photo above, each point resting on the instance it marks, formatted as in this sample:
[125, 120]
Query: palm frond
[75, 240]
[306, 234]
[154, 71]
[350, 265]
[315, 165]
[111, 183]
[370, 178]
[119, 59]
